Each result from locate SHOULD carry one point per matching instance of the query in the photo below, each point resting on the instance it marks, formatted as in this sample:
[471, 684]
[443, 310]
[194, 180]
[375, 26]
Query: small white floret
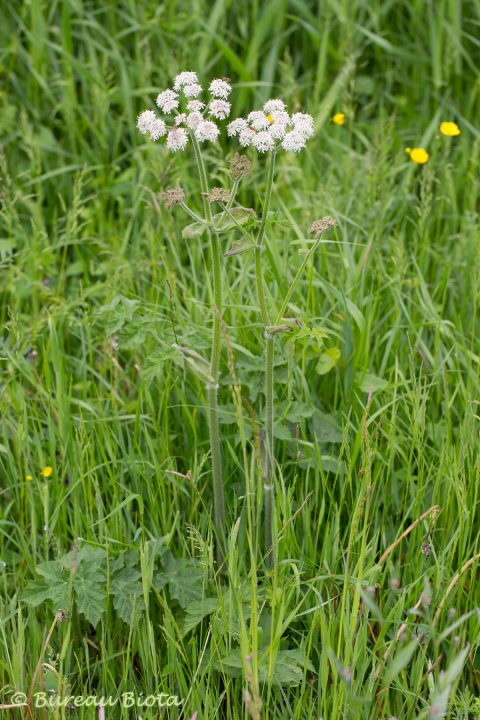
[157, 129]
[272, 106]
[195, 105]
[192, 91]
[258, 120]
[220, 88]
[145, 120]
[177, 139]
[185, 78]
[294, 141]
[236, 126]
[246, 136]
[207, 130]
[219, 109]
[167, 101]
[263, 141]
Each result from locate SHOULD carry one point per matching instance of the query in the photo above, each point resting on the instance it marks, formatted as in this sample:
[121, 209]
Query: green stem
[295, 280]
[268, 466]
[268, 471]
[212, 388]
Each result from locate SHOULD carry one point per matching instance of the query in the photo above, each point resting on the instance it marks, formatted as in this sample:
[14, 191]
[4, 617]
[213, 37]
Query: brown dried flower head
[240, 166]
[218, 194]
[173, 196]
[320, 226]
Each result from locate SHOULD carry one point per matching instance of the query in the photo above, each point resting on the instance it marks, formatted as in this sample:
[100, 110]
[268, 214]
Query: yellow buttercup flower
[28, 477]
[339, 119]
[418, 155]
[47, 471]
[450, 129]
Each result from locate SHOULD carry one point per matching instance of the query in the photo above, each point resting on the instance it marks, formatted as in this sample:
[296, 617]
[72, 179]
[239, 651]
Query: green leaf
[90, 596]
[306, 333]
[368, 381]
[328, 360]
[184, 578]
[117, 313]
[289, 668]
[39, 590]
[54, 585]
[222, 222]
[197, 611]
[239, 247]
[127, 590]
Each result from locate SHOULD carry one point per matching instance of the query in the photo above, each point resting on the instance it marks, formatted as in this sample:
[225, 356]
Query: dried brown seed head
[319, 226]
[240, 166]
[218, 194]
[172, 197]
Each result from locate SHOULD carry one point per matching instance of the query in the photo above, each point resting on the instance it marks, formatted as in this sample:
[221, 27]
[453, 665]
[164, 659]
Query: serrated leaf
[289, 668]
[221, 221]
[39, 590]
[116, 313]
[54, 585]
[307, 333]
[197, 611]
[90, 597]
[185, 580]
[127, 590]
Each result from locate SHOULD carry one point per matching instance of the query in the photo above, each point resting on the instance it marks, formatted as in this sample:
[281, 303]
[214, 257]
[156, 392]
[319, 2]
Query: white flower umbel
[236, 126]
[263, 141]
[207, 130]
[195, 105]
[272, 106]
[194, 119]
[185, 78]
[246, 136]
[145, 120]
[219, 109]
[303, 123]
[258, 120]
[268, 129]
[220, 88]
[177, 139]
[192, 91]
[167, 101]
[187, 112]
[180, 119]
[294, 141]
[157, 129]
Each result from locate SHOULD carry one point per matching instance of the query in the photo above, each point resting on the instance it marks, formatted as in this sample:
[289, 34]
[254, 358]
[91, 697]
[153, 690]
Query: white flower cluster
[272, 128]
[195, 116]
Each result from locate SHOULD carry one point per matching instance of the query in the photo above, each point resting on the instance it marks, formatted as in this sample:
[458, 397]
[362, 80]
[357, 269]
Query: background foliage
[95, 279]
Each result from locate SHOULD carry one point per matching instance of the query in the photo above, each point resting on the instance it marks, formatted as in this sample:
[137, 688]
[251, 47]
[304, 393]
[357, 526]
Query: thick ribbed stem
[269, 445]
[212, 388]
[269, 460]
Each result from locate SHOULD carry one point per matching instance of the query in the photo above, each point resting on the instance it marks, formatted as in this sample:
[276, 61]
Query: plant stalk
[268, 466]
[212, 388]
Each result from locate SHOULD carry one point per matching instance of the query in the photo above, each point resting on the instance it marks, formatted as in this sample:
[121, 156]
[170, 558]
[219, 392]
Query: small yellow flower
[28, 477]
[418, 155]
[339, 119]
[47, 471]
[450, 129]
[270, 118]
